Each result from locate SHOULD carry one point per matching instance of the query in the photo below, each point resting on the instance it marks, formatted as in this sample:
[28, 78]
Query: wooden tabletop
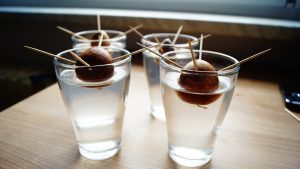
[257, 133]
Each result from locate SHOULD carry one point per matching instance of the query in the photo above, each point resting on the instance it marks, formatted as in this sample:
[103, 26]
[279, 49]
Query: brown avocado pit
[96, 37]
[195, 81]
[98, 71]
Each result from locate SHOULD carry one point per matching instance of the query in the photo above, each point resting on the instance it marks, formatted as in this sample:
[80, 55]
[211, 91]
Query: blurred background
[239, 28]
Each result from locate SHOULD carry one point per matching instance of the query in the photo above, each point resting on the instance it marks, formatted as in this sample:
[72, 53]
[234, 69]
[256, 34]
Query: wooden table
[257, 133]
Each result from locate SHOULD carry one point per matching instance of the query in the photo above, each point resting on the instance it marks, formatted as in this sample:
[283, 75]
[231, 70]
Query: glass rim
[121, 35]
[222, 73]
[145, 39]
[73, 66]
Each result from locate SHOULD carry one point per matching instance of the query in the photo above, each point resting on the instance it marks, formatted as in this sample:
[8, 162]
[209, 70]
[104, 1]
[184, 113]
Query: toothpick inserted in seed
[49, 54]
[200, 47]
[177, 34]
[98, 22]
[136, 31]
[193, 55]
[78, 58]
[133, 53]
[245, 60]
[72, 33]
[176, 64]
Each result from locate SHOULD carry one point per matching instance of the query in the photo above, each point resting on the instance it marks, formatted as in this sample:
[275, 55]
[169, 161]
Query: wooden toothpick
[72, 33]
[100, 38]
[133, 28]
[156, 39]
[292, 114]
[200, 47]
[205, 36]
[177, 34]
[161, 50]
[49, 54]
[78, 58]
[193, 55]
[98, 22]
[136, 31]
[133, 53]
[245, 60]
[129, 30]
[176, 64]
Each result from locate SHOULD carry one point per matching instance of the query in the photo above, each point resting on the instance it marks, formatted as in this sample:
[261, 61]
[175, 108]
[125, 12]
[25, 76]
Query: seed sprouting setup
[89, 64]
[190, 89]
[199, 76]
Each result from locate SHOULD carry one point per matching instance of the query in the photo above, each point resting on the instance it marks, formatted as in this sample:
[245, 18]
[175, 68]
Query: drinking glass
[96, 109]
[151, 64]
[116, 38]
[193, 117]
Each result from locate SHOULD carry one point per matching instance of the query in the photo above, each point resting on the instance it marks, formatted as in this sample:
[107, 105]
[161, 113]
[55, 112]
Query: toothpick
[200, 47]
[156, 39]
[49, 54]
[129, 30]
[98, 23]
[136, 31]
[177, 34]
[133, 53]
[205, 36]
[133, 28]
[292, 114]
[245, 60]
[71, 33]
[100, 38]
[193, 55]
[78, 58]
[126, 55]
[159, 55]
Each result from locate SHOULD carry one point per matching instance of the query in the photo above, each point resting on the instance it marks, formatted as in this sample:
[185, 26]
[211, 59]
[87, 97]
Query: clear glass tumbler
[194, 113]
[151, 64]
[96, 108]
[116, 38]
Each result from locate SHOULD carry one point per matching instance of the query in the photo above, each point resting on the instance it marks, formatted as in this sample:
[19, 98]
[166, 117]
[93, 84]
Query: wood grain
[257, 133]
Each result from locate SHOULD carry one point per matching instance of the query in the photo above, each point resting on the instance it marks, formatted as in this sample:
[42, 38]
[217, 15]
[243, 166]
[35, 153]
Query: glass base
[189, 157]
[158, 112]
[100, 150]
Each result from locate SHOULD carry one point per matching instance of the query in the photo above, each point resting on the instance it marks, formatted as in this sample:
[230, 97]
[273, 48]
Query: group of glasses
[97, 108]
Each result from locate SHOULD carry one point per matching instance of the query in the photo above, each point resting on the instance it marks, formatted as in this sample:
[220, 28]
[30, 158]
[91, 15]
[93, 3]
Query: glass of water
[193, 117]
[91, 38]
[96, 109]
[151, 64]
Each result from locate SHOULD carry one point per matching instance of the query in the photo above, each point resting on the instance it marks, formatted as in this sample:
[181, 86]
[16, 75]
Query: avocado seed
[195, 81]
[95, 56]
[96, 37]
